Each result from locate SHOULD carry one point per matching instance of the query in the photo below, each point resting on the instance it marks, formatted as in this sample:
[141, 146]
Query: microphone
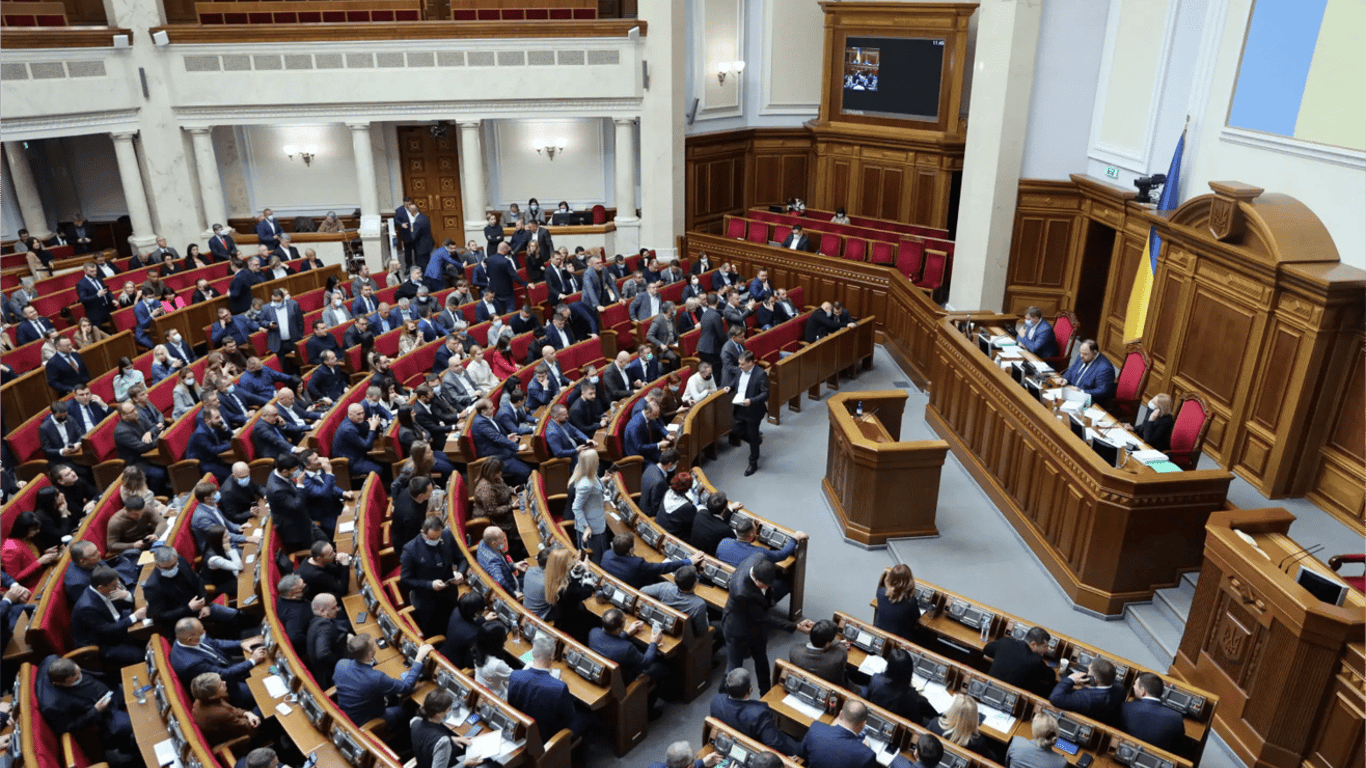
[1297, 556]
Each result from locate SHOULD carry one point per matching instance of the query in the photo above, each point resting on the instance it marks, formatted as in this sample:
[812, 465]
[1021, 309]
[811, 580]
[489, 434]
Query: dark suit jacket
[1097, 703]
[834, 746]
[420, 565]
[328, 382]
[754, 719]
[1041, 342]
[819, 325]
[128, 442]
[826, 663]
[26, 332]
[756, 392]
[190, 663]
[96, 306]
[239, 290]
[91, 623]
[268, 232]
[544, 699]
[803, 242]
[618, 385]
[62, 377]
[295, 616]
[222, 248]
[288, 513]
[637, 571]
[623, 651]
[502, 274]
[296, 325]
[746, 615]
[708, 530]
[1098, 380]
[326, 639]
[585, 414]
[713, 335]
[489, 440]
[54, 435]
[1153, 722]
[1157, 432]
[653, 485]
[1013, 662]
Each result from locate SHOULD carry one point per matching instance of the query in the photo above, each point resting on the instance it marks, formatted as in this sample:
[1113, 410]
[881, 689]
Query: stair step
[1176, 604]
[1155, 628]
[1192, 578]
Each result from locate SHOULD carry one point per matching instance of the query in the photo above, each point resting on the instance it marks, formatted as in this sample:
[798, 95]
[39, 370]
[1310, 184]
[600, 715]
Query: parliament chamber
[464, 480]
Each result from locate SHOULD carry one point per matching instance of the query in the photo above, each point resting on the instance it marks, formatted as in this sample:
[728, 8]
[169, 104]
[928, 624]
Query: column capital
[200, 130]
[624, 120]
[123, 135]
[358, 127]
[470, 124]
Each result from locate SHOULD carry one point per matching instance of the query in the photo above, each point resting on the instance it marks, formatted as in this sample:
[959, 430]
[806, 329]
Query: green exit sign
[1112, 172]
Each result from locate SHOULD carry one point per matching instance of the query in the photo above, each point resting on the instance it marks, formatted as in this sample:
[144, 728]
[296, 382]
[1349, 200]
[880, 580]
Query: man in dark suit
[822, 323]
[354, 439]
[654, 481]
[103, 615]
[542, 696]
[415, 232]
[1146, 718]
[363, 691]
[490, 440]
[713, 335]
[1021, 662]
[328, 382]
[268, 231]
[1091, 692]
[644, 435]
[1092, 373]
[221, 245]
[560, 279]
[71, 700]
[750, 717]
[235, 411]
[133, 436]
[823, 655]
[745, 621]
[513, 418]
[194, 654]
[239, 495]
[749, 406]
[326, 638]
[730, 353]
[616, 378]
[711, 526]
[564, 440]
[266, 436]
[144, 312]
[59, 435]
[286, 250]
[296, 614]
[797, 239]
[175, 592]
[1037, 336]
[284, 323]
[66, 370]
[239, 290]
[288, 509]
[622, 562]
[783, 308]
[840, 745]
[321, 340]
[613, 640]
[588, 411]
[502, 273]
[34, 326]
[431, 573]
[94, 295]
[238, 327]
[645, 367]
[560, 335]
[211, 439]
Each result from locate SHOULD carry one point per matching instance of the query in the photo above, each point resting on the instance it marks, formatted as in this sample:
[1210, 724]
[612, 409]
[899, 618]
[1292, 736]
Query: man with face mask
[430, 568]
[102, 617]
[71, 700]
[221, 245]
[144, 311]
[207, 514]
[240, 495]
[288, 509]
[321, 493]
[700, 385]
[60, 435]
[1037, 335]
[337, 311]
[268, 231]
[239, 290]
[645, 367]
[211, 438]
[178, 348]
[175, 592]
[195, 654]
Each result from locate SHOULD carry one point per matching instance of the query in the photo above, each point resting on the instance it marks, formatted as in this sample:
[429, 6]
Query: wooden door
[431, 176]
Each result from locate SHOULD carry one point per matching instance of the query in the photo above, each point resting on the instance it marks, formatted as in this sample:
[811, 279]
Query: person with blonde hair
[590, 507]
[565, 593]
[958, 724]
[1156, 429]
[898, 611]
[1037, 750]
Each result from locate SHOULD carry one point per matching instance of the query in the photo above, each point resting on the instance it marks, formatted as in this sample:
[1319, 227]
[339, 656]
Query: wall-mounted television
[892, 77]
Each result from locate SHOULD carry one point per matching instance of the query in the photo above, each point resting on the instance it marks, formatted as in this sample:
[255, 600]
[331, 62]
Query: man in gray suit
[664, 336]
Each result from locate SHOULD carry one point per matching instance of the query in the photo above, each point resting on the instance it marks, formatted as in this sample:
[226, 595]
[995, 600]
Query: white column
[26, 191]
[130, 173]
[473, 188]
[627, 238]
[1002, 80]
[369, 195]
[662, 124]
[210, 185]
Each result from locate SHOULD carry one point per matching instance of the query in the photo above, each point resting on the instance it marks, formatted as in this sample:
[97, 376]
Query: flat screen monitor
[1017, 373]
[1328, 590]
[896, 77]
[984, 343]
[1108, 451]
[1034, 389]
[1078, 428]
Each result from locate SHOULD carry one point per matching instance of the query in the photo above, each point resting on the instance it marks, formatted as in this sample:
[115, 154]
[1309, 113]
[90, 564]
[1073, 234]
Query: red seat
[256, 17]
[935, 263]
[881, 253]
[599, 214]
[855, 248]
[1133, 375]
[1065, 332]
[1188, 432]
[781, 232]
[464, 14]
[409, 15]
[735, 228]
[514, 14]
[537, 14]
[490, 14]
[830, 244]
[1355, 582]
[585, 13]
[758, 232]
[561, 13]
[910, 258]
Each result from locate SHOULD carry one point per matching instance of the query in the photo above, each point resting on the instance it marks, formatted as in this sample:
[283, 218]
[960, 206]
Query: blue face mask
[242, 481]
[430, 542]
[231, 387]
[170, 573]
[216, 496]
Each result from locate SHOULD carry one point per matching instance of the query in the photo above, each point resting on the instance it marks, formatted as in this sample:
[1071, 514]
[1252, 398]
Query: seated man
[329, 381]
[1021, 662]
[363, 692]
[1037, 336]
[359, 334]
[1092, 373]
[211, 439]
[207, 515]
[841, 744]
[513, 418]
[354, 439]
[750, 717]
[268, 437]
[617, 378]
[325, 571]
[296, 613]
[622, 562]
[233, 408]
[823, 655]
[218, 720]
[60, 434]
[563, 439]
[735, 550]
[644, 435]
[256, 386]
[613, 640]
[542, 389]
[240, 496]
[102, 617]
[71, 701]
[1091, 692]
[321, 341]
[1146, 718]
[134, 529]
[588, 412]
[321, 494]
[195, 653]
[328, 634]
[490, 440]
[543, 697]
[493, 558]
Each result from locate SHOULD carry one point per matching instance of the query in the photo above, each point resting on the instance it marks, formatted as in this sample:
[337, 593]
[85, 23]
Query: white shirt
[741, 386]
[796, 240]
[698, 388]
[282, 317]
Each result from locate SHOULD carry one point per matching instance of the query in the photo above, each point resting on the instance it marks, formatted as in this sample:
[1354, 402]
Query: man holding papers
[1092, 373]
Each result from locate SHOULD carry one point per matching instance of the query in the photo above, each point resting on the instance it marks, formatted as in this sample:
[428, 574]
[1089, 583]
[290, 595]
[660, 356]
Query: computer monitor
[561, 219]
[984, 343]
[1078, 428]
[1328, 590]
[1108, 451]
[1017, 372]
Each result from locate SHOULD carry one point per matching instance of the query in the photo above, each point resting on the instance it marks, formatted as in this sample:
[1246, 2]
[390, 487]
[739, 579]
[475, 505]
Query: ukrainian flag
[1137, 314]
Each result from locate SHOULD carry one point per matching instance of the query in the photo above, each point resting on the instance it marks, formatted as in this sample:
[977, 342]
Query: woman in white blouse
[222, 561]
[479, 373]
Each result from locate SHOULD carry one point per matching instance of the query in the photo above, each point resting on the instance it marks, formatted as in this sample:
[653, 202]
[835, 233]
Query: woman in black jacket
[891, 689]
[1156, 430]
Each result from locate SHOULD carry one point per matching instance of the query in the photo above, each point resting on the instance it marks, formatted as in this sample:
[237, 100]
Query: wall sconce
[550, 148]
[307, 152]
[724, 68]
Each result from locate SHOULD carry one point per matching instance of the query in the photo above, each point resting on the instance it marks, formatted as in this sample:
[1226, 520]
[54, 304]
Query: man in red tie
[221, 245]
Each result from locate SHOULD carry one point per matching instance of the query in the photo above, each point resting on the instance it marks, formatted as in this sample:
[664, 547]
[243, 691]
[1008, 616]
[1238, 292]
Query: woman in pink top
[20, 558]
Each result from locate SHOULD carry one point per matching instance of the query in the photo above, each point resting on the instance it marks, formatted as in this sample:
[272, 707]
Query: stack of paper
[1149, 456]
[873, 665]
[999, 721]
[346, 526]
[486, 745]
[935, 693]
[166, 754]
[1003, 341]
[1011, 353]
[275, 686]
[806, 709]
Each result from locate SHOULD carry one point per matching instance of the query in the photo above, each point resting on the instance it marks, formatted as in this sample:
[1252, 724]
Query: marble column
[627, 238]
[473, 188]
[26, 191]
[210, 185]
[662, 125]
[1002, 80]
[370, 234]
[130, 173]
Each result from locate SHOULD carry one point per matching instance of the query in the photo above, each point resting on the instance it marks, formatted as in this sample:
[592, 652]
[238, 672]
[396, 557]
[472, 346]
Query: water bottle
[138, 692]
[986, 627]
[859, 409]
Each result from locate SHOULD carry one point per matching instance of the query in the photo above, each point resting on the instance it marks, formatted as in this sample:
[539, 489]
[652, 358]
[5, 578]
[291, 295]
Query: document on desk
[884, 755]
[997, 720]
[1150, 456]
[485, 745]
[346, 526]
[166, 754]
[938, 696]
[1011, 353]
[873, 665]
[275, 686]
[1003, 341]
[806, 709]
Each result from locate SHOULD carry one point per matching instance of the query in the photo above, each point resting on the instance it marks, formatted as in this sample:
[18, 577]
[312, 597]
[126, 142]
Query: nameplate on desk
[809, 710]
[346, 527]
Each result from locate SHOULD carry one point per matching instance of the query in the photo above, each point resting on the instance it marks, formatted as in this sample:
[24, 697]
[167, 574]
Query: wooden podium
[1287, 666]
[880, 488]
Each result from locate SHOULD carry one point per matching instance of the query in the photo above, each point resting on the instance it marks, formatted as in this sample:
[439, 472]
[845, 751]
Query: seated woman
[414, 438]
[1156, 430]
[495, 500]
[393, 276]
[501, 361]
[194, 259]
[276, 269]
[170, 301]
[54, 518]
[479, 372]
[891, 689]
[1036, 751]
[330, 223]
[222, 562]
[127, 378]
[20, 558]
[134, 483]
[87, 333]
[677, 511]
[564, 594]
[959, 725]
[409, 339]
[897, 609]
[186, 394]
[492, 663]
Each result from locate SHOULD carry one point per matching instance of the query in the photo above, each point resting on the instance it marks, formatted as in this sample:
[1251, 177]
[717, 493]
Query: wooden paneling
[1041, 273]
[899, 175]
[1213, 349]
[427, 30]
[431, 175]
[61, 37]
[730, 172]
[1335, 478]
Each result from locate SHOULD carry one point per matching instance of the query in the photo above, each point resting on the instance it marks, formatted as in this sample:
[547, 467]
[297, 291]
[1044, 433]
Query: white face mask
[1152, 404]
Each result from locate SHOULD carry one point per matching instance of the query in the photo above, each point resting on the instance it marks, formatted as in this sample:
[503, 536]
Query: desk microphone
[1296, 557]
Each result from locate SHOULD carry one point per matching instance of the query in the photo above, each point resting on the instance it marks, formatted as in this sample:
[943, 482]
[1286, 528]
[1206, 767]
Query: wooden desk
[1106, 535]
[880, 488]
[149, 729]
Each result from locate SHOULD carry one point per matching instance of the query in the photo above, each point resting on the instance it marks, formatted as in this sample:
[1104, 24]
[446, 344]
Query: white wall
[1066, 70]
[580, 175]
[10, 219]
[290, 187]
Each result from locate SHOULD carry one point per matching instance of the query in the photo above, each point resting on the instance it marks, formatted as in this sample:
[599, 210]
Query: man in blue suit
[364, 692]
[365, 303]
[513, 418]
[102, 617]
[329, 382]
[207, 515]
[1146, 718]
[840, 745]
[354, 439]
[235, 411]
[1037, 337]
[491, 555]
[66, 370]
[227, 325]
[613, 640]
[646, 366]
[1092, 373]
[543, 697]
[565, 440]
[194, 654]
[145, 310]
[1091, 692]
[760, 288]
[268, 438]
[34, 326]
[644, 435]
[490, 440]
[268, 231]
[209, 440]
[752, 717]
[178, 349]
[542, 389]
[622, 562]
[434, 275]
[94, 295]
[239, 290]
[256, 386]
[502, 273]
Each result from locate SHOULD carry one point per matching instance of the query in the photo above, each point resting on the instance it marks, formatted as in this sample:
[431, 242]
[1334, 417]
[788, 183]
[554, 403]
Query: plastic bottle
[138, 692]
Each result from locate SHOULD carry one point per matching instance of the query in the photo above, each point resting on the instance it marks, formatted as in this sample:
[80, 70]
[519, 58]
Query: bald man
[354, 439]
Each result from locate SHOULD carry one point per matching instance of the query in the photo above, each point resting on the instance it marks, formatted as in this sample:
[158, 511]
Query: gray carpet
[843, 576]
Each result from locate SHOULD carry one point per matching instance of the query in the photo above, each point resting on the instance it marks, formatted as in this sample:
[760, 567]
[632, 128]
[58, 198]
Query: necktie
[223, 243]
[233, 399]
[37, 326]
[86, 420]
[369, 306]
[71, 362]
[212, 653]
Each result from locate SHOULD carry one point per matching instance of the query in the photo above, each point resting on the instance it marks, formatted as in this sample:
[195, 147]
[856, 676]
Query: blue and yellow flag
[1137, 314]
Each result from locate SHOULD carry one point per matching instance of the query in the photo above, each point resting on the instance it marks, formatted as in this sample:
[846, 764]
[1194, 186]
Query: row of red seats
[523, 14]
[309, 17]
[817, 215]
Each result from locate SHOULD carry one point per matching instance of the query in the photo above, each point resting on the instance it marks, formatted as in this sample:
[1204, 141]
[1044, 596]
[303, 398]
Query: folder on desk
[1003, 341]
[1164, 466]
[1149, 456]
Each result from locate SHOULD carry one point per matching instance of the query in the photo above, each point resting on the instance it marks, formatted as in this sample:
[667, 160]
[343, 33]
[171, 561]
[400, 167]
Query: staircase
[1161, 623]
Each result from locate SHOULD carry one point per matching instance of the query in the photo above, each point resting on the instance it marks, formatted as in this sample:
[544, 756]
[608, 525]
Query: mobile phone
[1085, 760]
[475, 731]
[472, 719]
[360, 617]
